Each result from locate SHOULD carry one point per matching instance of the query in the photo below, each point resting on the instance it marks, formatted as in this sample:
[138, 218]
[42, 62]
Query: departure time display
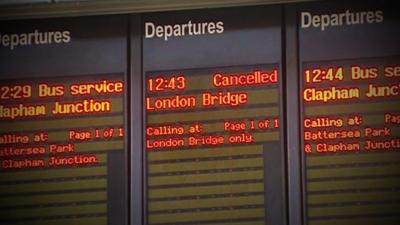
[208, 132]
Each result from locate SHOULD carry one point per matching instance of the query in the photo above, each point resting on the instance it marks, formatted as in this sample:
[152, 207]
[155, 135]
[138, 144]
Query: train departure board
[350, 73]
[277, 114]
[62, 116]
[213, 136]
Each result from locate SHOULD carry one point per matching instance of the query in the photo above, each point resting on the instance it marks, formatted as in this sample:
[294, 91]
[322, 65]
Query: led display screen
[62, 123]
[350, 110]
[213, 118]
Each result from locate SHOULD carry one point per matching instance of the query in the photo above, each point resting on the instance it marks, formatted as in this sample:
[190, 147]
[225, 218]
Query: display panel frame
[164, 67]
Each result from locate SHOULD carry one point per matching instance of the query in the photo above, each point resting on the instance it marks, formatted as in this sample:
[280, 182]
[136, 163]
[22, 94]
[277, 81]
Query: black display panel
[349, 59]
[63, 155]
[213, 117]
